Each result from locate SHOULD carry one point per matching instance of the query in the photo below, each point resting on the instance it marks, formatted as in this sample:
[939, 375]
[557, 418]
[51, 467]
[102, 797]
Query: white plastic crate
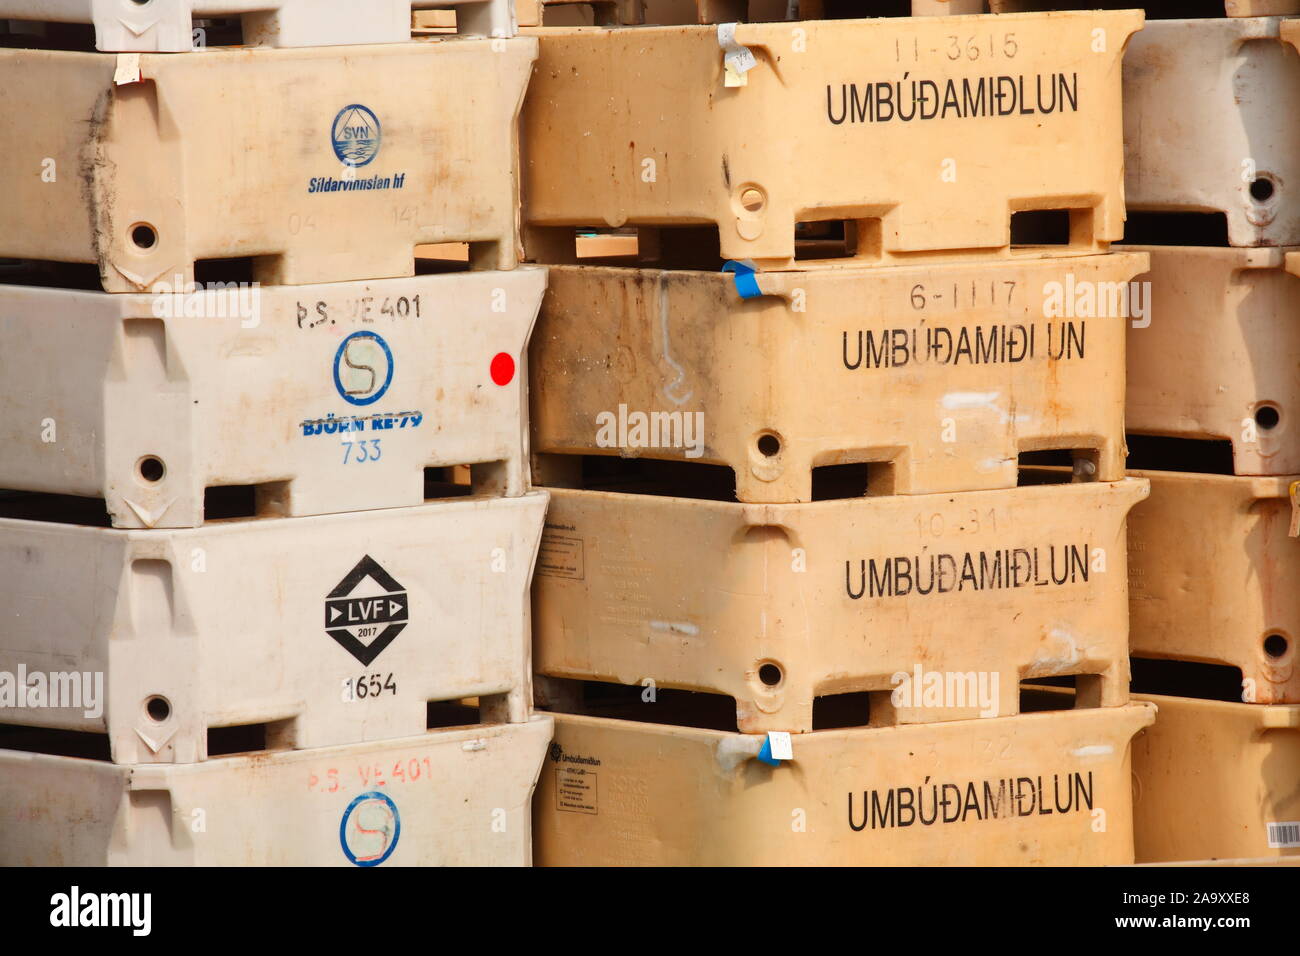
[1240, 156]
[323, 631]
[458, 797]
[166, 26]
[327, 398]
[317, 165]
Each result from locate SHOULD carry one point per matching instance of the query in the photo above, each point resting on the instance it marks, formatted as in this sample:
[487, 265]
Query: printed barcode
[1281, 835]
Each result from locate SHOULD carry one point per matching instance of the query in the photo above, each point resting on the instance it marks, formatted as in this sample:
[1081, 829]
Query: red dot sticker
[503, 368]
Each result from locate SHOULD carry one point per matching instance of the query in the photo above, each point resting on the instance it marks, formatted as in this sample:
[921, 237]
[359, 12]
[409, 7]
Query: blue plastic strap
[746, 283]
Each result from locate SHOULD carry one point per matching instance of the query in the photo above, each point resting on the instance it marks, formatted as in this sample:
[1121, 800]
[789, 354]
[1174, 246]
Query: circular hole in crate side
[1268, 416]
[1262, 189]
[158, 708]
[144, 236]
[151, 469]
[768, 444]
[1276, 645]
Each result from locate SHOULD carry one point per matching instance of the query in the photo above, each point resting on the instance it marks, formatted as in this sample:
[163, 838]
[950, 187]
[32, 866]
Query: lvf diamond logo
[367, 621]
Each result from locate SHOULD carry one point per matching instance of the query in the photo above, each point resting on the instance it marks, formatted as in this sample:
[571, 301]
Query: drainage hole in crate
[1275, 645]
[770, 674]
[158, 708]
[152, 469]
[144, 236]
[1267, 416]
[1261, 190]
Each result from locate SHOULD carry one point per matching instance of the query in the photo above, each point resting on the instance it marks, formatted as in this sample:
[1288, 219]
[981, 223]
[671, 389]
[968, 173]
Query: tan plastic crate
[637, 127]
[1213, 578]
[617, 792]
[778, 385]
[1242, 156]
[1217, 360]
[775, 605]
[215, 156]
[331, 630]
[457, 797]
[1216, 780]
[146, 401]
[166, 26]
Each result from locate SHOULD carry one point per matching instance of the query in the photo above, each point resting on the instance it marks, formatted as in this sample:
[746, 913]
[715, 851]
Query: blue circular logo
[363, 368]
[356, 135]
[370, 829]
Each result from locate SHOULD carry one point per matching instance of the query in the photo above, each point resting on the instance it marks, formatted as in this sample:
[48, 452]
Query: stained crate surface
[636, 127]
[457, 797]
[331, 397]
[166, 26]
[269, 621]
[1212, 577]
[318, 164]
[775, 605]
[1213, 779]
[1217, 361]
[1240, 156]
[623, 792]
[958, 370]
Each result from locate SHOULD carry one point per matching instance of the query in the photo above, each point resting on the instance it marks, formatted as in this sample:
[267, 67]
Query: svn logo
[74, 909]
[363, 368]
[356, 135]
[370, 829]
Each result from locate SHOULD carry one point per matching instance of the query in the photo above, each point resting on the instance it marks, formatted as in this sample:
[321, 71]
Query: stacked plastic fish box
[1212, 388]
[267, 534]
[828, 390]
